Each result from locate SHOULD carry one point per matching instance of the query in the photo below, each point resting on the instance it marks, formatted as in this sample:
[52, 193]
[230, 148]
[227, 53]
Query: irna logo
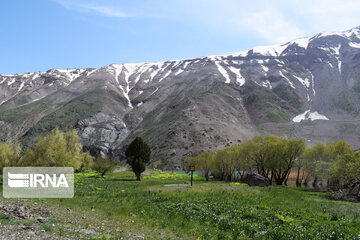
[38, 182]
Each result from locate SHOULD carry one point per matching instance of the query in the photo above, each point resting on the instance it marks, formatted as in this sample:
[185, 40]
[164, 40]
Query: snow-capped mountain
[308, 88]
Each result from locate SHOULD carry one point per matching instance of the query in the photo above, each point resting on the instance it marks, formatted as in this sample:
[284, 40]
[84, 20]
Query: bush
[104, 165]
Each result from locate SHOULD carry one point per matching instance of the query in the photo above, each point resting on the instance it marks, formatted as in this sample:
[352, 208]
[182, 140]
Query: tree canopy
[137, 156]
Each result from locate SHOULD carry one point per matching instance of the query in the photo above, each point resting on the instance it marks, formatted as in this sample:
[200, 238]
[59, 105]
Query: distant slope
[308, 88]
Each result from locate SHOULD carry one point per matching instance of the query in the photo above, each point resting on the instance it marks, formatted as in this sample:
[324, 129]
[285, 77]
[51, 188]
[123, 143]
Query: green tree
[300, 172]
[104, 165]
[275, 156]
[341, 159]
[312, 159]
[245, 154]
[319, 159]
[203, 163]
[262, 155]
[137, 156]
[223, 167]
[9, 155]
[56, 149]
[87, 161]
[291, 150]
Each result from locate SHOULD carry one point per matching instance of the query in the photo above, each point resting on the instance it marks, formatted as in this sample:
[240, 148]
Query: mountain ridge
[308, 88]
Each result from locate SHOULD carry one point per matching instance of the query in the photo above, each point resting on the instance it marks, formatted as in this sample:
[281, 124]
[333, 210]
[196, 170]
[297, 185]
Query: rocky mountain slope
[307, 88]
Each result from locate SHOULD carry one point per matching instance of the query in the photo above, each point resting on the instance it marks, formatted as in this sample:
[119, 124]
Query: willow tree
[60, 149]
[9, 155]
[204, 162]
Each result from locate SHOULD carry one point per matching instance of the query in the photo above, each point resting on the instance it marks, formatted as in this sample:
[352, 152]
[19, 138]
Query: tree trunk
[138, 176]
[298, 183]
[207, 175]
[102, 175]
[278, 181]
[228, 177]
[287, 174]
[271, 178]
[302, 176]
[315, 182]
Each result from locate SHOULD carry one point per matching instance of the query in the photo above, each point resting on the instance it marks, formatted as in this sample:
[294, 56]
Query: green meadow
[208, 210]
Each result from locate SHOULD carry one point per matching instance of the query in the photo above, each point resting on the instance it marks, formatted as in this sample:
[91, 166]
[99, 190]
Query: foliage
[9, 154]
[104, 165]
[224, 164]
[245, 155]
[216, 210]
[320, 159]
[56, 149]
[203, 162]
[137, 155]
[273, 157]
[87, 162]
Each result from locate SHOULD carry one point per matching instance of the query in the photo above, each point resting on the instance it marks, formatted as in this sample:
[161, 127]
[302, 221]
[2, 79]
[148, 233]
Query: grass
[213, 210]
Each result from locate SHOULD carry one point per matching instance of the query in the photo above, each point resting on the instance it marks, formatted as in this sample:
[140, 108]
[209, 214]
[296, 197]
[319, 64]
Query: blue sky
[37, 35]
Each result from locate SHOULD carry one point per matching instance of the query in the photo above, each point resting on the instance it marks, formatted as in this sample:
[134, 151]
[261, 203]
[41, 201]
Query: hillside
[307, 88]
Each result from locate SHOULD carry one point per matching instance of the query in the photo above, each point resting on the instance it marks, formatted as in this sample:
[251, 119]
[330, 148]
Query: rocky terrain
[307, 88]
[26, 219]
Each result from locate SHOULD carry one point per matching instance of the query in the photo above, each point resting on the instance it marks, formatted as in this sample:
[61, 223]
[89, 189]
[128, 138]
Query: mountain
[307, 88]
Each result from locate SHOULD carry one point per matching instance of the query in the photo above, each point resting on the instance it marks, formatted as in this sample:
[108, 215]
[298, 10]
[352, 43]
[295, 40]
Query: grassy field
[208, 210]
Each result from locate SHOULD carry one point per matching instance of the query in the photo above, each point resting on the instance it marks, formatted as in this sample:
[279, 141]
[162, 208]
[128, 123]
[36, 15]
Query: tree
[312, 159]
[203, 163]
[344, 176]
[137, 156]
[103, 165]
[245, 154]
[299, 164]
[56, 149]
[261, 156]
[87, 161]
[9, 155]
[291, 150]
[275, 156]
[224, 164]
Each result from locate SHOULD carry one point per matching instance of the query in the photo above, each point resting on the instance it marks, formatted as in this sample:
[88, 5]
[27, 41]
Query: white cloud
[329, 15]
[109, 11]
[270, 21]
[271, 26]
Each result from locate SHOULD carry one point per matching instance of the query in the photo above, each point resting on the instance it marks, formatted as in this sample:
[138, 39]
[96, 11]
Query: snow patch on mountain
[178, 71]
[275, 50]
[155, 69]
[287, 79]
[142, 69]
[239, 78]
[117, 69]
[307, 115]
[305, 81]
[223, 72]
[154, 91]
[186, 64]
[354, 45]
[334, 51]
[72, 74]
[265, 68]
[266, 84]
[301, 42]
[21, 86]
[11, 81]
[166, 75]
